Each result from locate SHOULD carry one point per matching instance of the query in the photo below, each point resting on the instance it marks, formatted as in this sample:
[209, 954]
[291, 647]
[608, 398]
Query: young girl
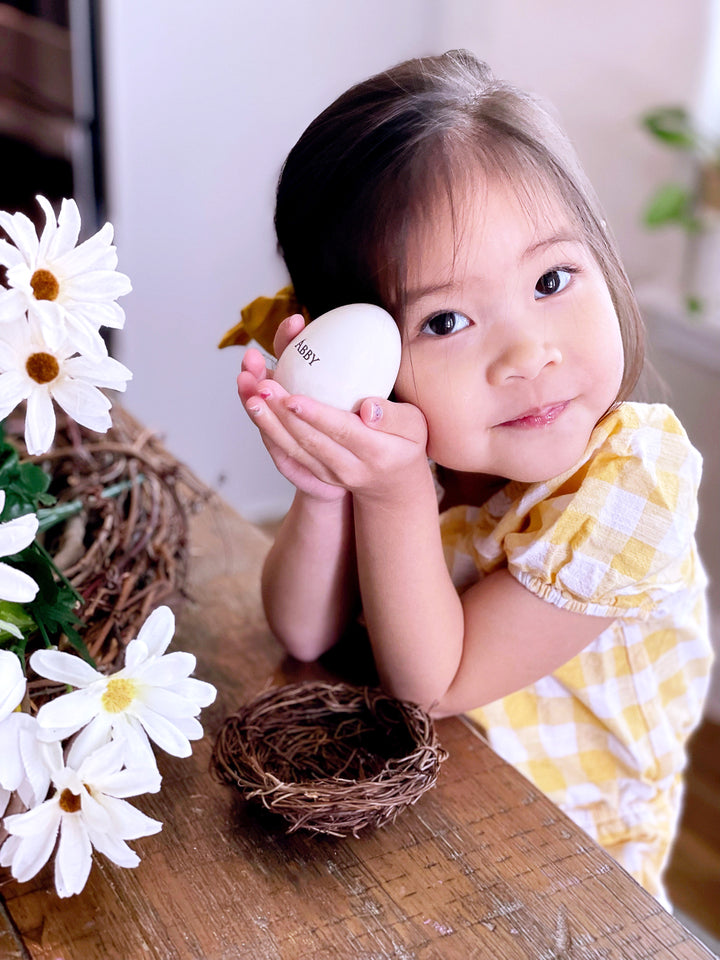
[559, 599]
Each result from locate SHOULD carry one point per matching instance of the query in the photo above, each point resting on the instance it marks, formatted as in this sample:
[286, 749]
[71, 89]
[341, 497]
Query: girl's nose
[523, 358]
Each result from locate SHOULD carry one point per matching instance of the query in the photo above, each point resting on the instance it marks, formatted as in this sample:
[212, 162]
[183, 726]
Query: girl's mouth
[537, 417]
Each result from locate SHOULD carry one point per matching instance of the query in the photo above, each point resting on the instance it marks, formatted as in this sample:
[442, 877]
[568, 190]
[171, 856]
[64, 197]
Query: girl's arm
[309, 580]
[452, 653]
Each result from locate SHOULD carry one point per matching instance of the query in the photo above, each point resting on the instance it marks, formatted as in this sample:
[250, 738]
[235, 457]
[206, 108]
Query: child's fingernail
[375, 412]
[255, 410]
[295, 407]
[265, 393]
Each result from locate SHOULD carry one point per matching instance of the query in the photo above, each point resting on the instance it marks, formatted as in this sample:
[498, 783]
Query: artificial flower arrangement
[69, 766]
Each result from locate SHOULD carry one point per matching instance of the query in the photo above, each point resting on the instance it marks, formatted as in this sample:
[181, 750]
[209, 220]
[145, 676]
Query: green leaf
[25, 484]
[672, 203]
[672, 126]
[15, 614]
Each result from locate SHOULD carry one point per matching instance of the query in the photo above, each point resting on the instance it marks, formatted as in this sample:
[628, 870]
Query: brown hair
[369, 165]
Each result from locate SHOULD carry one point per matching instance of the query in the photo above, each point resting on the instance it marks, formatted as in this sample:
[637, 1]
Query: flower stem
[50, 516]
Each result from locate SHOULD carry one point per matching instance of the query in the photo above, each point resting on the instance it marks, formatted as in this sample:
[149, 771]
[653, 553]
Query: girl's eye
[443, 324]
[552, 282]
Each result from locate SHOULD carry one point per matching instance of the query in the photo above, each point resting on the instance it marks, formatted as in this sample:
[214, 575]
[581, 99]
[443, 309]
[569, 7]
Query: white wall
[203, 102]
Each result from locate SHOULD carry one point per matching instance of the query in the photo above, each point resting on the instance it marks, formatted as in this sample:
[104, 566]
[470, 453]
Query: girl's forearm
[309, 580]
[411, 607]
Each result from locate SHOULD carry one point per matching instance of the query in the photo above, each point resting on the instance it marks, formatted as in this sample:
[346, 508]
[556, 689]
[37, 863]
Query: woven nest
[124, 554]
[329, 758]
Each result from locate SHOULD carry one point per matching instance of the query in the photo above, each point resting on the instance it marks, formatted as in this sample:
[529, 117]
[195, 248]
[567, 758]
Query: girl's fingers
[253, 362]
[322, 443]
[246, 385]
[287, 331]
[398, 419]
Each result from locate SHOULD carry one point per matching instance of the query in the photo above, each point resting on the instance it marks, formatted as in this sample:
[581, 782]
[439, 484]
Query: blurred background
[172, 118]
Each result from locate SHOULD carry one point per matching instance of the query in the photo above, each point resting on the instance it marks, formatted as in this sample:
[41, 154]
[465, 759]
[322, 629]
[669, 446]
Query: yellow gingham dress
[604, 736]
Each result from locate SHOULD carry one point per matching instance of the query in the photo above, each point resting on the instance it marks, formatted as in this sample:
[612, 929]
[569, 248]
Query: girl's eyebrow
[431, 288]
[542, 245]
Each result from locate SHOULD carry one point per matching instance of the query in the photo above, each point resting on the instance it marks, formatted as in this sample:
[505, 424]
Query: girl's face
[511, 343]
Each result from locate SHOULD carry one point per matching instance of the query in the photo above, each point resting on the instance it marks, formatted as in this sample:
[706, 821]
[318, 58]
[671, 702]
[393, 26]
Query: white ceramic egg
[342, 357]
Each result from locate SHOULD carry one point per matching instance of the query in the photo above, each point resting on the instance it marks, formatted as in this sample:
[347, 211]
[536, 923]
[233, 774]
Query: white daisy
[87, 810]
[152, 696]
[22, 762]
[15, 586]
[31, 369]
[71, 290]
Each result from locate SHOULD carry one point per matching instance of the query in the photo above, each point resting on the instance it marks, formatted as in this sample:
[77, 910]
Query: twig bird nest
[328, 757]
[125, 549]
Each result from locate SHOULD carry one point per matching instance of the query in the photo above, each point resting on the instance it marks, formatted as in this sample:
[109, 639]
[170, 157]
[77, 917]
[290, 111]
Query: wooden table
[483, 866]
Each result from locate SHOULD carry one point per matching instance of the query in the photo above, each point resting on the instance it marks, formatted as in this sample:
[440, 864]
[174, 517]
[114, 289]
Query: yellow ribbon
[260, 319]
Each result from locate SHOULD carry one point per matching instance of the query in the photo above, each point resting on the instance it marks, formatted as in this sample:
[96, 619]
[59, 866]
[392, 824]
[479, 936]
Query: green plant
[677, 203]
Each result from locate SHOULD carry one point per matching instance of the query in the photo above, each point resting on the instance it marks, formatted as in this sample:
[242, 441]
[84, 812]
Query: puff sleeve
[614, 537]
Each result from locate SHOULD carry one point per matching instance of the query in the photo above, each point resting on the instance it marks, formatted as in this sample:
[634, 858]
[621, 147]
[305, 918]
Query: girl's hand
[254, 382]
[377, 453]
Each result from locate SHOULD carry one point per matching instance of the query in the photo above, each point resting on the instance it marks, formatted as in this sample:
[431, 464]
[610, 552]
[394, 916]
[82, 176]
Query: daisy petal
[130, 782]
[21, 231]
[13, 304]
[32, 852]
[16, 586]
[164, 733]
[14, 388]
[73, 858]
[114, 849]
[38, 820]
[17, 534]
[168, 704]
[8, 849]
[89, 739]
[157, 631]
[129, 822]
[68, 230]
[51, 319]
[36, 760]
[85, 404]
[200, 692]
[64, 667]
[94, 814]
[98, 285]
[69, 712]
[102, 314]
[190, 727]
[49, 230]
[95, 253]
[172, 668]
[104, 372]
[12, 683]
[10, 256]
[135, 653]
[39, 423]
[12, 771]
[138, 750]
[84, 336]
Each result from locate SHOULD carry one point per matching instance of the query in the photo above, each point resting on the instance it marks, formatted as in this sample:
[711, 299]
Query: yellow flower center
[42, 367]
[119, 694]
[44, 285]
[69, 801]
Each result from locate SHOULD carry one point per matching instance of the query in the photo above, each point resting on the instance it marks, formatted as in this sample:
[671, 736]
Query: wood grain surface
[483, 866]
